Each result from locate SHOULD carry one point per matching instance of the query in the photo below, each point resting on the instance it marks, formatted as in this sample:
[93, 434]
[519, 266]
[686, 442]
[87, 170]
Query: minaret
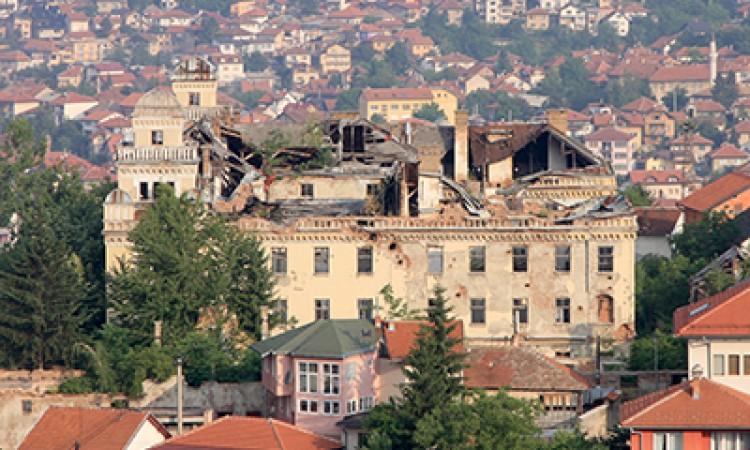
[713, 60]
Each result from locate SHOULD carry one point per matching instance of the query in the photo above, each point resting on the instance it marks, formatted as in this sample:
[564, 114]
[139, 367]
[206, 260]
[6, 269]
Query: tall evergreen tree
[433, 373]
[42, 289]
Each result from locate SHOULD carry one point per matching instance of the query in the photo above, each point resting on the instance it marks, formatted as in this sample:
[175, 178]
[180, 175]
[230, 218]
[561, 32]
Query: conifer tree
[42, 290]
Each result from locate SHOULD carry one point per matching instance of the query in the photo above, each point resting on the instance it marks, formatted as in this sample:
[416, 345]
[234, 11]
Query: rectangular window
[364, 260]
[746, 364]
[331, 381]
[322, 309]
[435, 259]
[307, 190]
[562, 310]
[520, 259]
[280, 309]
[730, 441]
[667, 441]
[351, 407]
[372, 189]
[733, 365]
[278, 260]
[606, 259]
[718, 365]
[365, 307]
[476, 259]
[304, 406]
[143, 190]
[520, 311]
[365, 403]
[477, 311]
[308, 377]
[194, 99]
[321, 260]
[157, 137]
[331, 408]
[562, 258]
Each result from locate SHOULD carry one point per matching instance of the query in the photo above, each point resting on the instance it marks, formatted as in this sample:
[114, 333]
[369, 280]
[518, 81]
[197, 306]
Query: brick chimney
[558, 119]
[695, 388]
[461, 147]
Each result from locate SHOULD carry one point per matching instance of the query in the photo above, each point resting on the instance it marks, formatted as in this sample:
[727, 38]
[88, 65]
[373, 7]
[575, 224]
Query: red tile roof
[248, 433]
[401, 335]
[742, 127]
[728, 151]
[93, 429]
[723, 314]
[656, 221]
[642, 105]
[608, 134]
[519, 368]
[708, 106]
[656, 176]
[714, 406]
[72, 97]
[685, 72]
[717, 192]
[690, 139]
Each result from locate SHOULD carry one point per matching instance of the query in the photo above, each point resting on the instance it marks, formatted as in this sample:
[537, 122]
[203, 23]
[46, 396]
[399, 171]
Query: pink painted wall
[357, 378]
[693, 440]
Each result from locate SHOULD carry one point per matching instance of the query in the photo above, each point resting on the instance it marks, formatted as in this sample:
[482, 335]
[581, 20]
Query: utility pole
[656, 360]
[179, 396]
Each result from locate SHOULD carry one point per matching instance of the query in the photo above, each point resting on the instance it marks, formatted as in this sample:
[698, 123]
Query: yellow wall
[172, 128]
[206, 89]
[399, 109]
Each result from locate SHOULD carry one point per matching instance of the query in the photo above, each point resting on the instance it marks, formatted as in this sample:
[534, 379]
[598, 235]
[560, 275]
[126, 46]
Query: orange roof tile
[401, 335]
[643, 105]
[608, 134]
[656, 176]
[717, 192]
[714, 406]
[248, 433]
[685, 72]
[742, 127]
[723, 314]
[93, 429]
[396, 93]
[729, 151]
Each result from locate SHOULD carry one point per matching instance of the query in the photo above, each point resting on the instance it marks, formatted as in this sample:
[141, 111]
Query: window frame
[279, 255]
[562, 310]
[565, 258]
[281, 309]
[331, 379]
[737, 359]
[322, 309]
[363, 259]
[435, 256]
[307, 190]
[605, 262]
[321, 267]
[478, 308]
[718, 368]
[192, 97]
[478, 259]
[520, 258]
[521, 304]
[309, 374]
[157, 134]
[369, 310]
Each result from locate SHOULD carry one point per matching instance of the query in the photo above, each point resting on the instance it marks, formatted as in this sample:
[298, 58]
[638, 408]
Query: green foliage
[256, 62]
[661, 286]
[362, 54]
[482, 422]
[708, 238]
[209, 28]
[708, 130]
[188, 260]
[446, 74]
[718, 280]
[637, 196]
[348, 100]
[569, 86]
[398, 57]
[676, 100]
[497, 106]
[379, 74]
[76, 385]
[397, 308]
[42, 292]
[207, 356]
[626, 90]
[574, 440]
[250, 99]
[473, 37]
[670, 351]
[431, 112]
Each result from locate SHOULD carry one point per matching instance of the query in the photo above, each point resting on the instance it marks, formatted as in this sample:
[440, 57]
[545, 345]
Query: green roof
[323, 339]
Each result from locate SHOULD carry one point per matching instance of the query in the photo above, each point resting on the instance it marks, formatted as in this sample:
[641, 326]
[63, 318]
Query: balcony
[183, 153]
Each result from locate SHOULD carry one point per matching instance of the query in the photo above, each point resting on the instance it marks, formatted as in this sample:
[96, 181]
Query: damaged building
[520, 224]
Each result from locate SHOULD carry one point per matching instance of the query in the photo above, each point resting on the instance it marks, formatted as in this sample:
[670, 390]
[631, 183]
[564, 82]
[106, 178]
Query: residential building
[400, 103]
[730, 194]
[229, 68]
[620, 23]
[89, 429]
[727, 157]
[669, 184]
[616, 146]
[658, 128]
[73, 105]
[573, 17]
[539, 19]
[249, 433]
[335, 59]
[693, 143]
[693, 78]
[742, 130]
[656, 225]
[710, 411]
[317, 374]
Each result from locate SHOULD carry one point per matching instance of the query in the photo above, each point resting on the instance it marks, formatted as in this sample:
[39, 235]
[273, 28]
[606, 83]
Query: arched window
[606, 308]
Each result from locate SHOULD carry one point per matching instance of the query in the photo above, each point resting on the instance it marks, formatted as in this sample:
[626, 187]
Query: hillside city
[375, 224]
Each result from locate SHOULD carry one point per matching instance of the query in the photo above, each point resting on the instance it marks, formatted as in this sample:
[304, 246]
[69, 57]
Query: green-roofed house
[316, 374]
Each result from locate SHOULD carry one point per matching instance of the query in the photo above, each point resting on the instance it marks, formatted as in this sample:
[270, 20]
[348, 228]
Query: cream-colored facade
[529, 271]
[335, 59]
[395, 104]
[713, 356]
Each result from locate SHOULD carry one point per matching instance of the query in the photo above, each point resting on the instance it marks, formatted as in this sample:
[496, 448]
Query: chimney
[558, 119]
[695, 388]
[461, 147]
[713, 60]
